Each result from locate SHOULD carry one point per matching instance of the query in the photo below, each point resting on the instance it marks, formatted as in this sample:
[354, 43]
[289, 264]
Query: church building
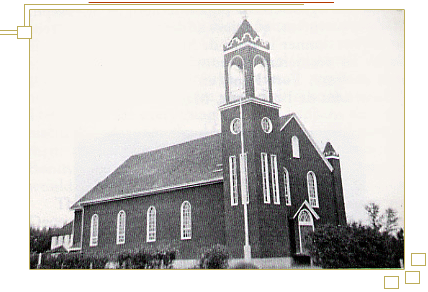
[258, 187]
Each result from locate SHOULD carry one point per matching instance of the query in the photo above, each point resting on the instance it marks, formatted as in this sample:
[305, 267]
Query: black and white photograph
[210, 139]
[256, 146]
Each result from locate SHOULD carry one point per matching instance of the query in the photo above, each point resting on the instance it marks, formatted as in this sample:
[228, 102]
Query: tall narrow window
[186, 220]
[274, 171]
[67, 240]
[94, 231]
[312, 189]
[261, 84]
[236, 78]
[244, 178]
[233, 181]
[121, 225]
[265, 178]
[60, 240]
[54, 242]
[151, 224]
[295, 147]
[287, 188]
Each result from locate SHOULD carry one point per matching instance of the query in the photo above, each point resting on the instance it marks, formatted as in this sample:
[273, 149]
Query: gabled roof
[287, 119]
[193, 162]
[306, 204]
[66, 229]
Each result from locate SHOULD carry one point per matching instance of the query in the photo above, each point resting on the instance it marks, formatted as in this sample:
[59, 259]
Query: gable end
[309, 138]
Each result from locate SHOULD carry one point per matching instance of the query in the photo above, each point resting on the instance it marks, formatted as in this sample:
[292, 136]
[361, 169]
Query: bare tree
[389, 220]
[373, 212]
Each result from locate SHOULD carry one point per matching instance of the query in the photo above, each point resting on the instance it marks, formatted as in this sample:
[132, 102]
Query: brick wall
[268, 223]
[299, 167]
[207, 221]
[331, 206]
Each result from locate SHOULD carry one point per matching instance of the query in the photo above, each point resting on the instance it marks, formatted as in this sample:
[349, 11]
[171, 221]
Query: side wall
[298, 168]
[207, 221]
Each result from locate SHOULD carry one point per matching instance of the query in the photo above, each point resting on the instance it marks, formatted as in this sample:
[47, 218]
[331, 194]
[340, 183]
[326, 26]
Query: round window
[266, 125]
[235, 126]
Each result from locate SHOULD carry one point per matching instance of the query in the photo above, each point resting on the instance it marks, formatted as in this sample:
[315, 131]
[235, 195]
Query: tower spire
[245, 33]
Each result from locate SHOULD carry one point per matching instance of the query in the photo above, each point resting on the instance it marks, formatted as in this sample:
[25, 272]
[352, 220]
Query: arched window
[151, 224]
[306, 226]
[312, 189]
[305, 218]
[121, 225]
[186, 220]
[261, 83]
[295, 147]
[236, 78]
[265, 178]
[287, 187]
[94, 231]
[275, 185]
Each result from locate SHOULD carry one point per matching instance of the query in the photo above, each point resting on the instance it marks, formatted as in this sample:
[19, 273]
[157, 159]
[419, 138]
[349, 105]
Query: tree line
[40, 239]
[377, 245]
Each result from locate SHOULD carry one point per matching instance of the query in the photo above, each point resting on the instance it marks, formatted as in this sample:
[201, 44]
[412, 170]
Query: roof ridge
[140, 172]
[174, 145]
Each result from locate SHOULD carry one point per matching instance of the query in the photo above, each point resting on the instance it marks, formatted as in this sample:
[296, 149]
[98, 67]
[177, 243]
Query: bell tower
[247, 66]
[250, 148]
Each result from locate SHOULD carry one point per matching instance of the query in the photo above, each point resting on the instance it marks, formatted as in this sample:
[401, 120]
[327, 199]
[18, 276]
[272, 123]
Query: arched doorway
[306, 226]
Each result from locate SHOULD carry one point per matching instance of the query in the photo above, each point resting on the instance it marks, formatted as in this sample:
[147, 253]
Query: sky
[107, 85]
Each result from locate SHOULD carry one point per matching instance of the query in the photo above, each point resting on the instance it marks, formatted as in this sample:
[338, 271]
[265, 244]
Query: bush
[34, 259]
[216, 257]
[40, 239]
[73, 261]
[147, 259]
[136, 259]
[244, 265]
[355, 246]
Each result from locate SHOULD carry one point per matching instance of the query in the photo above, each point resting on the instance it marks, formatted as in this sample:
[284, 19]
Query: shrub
[135, 259]
[34, 259]
[40, 239]
[216, 257]
[244, 265]
[355, 246]
[146, 259]
[73, 261]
